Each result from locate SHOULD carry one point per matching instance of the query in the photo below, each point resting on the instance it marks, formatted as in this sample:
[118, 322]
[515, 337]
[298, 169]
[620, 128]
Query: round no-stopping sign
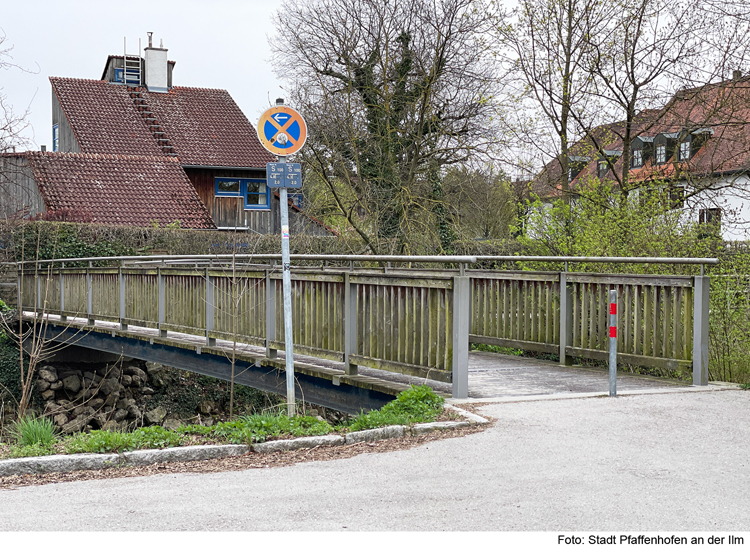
[282, 130]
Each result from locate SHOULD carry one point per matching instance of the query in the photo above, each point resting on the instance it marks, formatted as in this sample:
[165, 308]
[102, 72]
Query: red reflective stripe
[613, 309]
[612, 332]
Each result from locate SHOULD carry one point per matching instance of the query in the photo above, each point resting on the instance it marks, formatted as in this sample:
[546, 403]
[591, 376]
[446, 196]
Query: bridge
[362, 332]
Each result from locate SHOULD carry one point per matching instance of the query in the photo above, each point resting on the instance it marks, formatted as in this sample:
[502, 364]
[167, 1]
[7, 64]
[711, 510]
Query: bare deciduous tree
[393, 92]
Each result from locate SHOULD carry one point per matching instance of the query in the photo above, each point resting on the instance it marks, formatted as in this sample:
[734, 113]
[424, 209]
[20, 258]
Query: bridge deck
[490, 375]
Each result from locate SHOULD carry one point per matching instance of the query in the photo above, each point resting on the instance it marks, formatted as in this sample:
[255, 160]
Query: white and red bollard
[613, 343]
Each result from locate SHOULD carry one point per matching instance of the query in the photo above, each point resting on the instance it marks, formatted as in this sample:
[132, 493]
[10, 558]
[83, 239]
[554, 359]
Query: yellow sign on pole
[282, 130]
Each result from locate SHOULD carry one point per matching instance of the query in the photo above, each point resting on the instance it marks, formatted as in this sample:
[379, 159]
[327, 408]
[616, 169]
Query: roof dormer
[606, 161]
[664, 146]
[641, 149]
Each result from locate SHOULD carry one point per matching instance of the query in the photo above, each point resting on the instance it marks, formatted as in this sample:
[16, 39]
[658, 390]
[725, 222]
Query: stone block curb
[144, 457]
[299, 443]
[470, 416]
[376, 434]
[417, 429]
[59, 463]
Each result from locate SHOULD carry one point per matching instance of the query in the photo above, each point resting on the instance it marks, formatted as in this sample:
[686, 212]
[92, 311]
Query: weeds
[418, 404]
[32, 431]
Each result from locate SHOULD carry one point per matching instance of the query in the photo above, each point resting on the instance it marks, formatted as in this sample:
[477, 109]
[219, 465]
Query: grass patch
[415, 405]
[259, 427]
[102, 441]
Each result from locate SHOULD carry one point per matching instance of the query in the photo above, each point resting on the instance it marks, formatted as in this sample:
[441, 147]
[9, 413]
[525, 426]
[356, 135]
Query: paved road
[660, 462]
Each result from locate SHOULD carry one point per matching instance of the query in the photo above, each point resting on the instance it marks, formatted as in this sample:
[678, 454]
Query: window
[710, 216]
[637, 159]
[602, 168]
[685, 150]
[254, 192]
[661, 153]
[676, 197]
[55, 138]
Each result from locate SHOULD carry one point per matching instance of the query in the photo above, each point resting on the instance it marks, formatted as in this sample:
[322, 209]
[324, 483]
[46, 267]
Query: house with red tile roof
[697, 147]
[134, 149]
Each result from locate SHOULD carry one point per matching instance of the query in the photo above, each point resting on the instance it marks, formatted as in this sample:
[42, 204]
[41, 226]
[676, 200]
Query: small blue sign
[287, 175]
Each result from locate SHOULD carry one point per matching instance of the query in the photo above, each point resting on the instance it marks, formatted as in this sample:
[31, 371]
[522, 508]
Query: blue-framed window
[254, 192]
[55, 138]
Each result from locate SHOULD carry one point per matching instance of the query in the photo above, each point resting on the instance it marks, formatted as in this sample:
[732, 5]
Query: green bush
[30, 430]
[415, 405]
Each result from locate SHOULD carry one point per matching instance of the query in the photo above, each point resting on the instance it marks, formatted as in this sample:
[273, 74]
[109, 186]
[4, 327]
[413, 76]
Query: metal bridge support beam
[566, 319]
[700, 330]
[461, 327]
[350, 323]
[271, 353]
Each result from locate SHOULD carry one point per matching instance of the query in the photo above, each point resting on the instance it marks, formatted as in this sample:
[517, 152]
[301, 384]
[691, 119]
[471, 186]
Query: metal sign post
[613, 343]
[282, 131]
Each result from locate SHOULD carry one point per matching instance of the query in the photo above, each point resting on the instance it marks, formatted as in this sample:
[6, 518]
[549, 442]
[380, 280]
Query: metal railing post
[161, 302]
[350, 323]
[121, 283]
[461, 327]
[62, 297]
[89, 300]
[271, 353]
[700, 330]
[210, 309]
[566, 318]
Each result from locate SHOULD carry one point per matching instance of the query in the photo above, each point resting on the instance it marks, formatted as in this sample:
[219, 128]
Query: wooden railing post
[271, 353]
[89, 300]
[350, 323]
[461, 327]
[700, 330]
[566, 318]
[161, 302]
[210, 309]
[38, 307]
[121, 283]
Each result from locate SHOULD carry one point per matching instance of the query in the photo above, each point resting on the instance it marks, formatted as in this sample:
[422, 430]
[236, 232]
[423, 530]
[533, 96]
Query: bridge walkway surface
[492, 376]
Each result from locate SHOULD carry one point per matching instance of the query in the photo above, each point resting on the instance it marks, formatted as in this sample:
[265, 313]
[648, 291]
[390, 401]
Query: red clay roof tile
[119, 189]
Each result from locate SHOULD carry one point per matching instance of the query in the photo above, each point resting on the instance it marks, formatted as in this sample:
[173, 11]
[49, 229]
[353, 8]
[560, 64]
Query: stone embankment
[103, 398]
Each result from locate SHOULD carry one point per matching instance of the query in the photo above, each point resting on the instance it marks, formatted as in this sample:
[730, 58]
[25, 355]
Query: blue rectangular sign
[287, 175]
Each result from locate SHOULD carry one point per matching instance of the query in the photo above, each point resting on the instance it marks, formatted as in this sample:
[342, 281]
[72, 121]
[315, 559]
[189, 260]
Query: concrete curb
[144, 457]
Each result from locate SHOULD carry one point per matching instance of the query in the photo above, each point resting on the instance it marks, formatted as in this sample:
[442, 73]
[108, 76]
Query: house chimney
[156, 67]
[44, 148]
[737, 75]
[279, 101]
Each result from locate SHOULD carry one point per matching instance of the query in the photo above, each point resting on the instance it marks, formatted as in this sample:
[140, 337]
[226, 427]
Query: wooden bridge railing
[401, 322]
[410, 321]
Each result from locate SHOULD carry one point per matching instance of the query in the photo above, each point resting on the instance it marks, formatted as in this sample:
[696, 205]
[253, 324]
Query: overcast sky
[220, 44]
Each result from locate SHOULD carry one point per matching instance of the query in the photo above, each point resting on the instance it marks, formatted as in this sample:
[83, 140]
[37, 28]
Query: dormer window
[606, 161]
[684, 150]
[576, 164]
[661, 154]
[665, 144]
[641, 149]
